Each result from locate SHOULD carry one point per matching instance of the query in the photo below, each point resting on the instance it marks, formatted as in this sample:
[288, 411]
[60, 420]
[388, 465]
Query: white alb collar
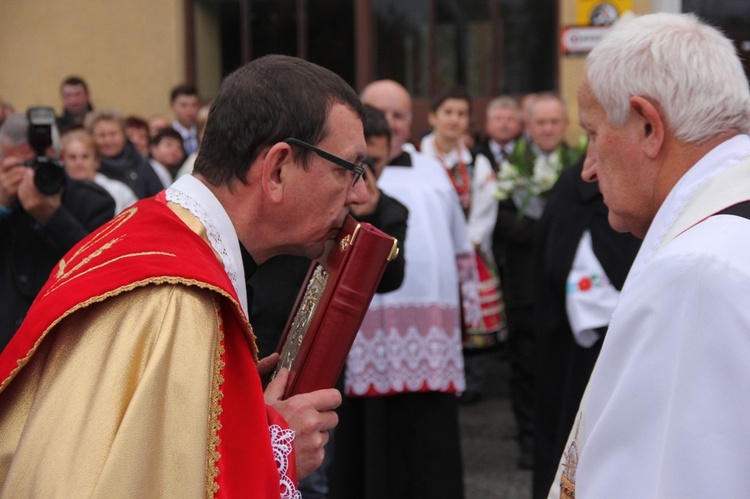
[194, 196]
[721, 157]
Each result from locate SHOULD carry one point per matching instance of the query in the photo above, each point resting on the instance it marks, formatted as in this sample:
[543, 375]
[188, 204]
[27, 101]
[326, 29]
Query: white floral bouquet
[523, 181]
[544, 175]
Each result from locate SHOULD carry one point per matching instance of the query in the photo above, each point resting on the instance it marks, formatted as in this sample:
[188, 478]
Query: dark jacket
[514, 234]
[390, 216]
[133, 170]
[67, 121]
[28, 251]
[562, 366]
[483, 148]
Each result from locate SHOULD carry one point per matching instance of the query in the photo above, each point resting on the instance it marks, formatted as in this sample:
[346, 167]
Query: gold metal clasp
[394, 251]
[349, 239]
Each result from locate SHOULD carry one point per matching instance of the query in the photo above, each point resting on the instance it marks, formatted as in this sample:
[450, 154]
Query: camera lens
[49, 176]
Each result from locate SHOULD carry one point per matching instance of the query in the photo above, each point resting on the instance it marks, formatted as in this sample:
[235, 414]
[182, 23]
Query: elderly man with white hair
[666, 106]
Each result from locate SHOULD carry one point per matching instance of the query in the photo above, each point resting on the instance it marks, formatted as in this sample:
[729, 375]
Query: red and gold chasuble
[148, 244]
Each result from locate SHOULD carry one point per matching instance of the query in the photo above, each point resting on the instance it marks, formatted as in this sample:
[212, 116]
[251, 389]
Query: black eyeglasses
[357, 170]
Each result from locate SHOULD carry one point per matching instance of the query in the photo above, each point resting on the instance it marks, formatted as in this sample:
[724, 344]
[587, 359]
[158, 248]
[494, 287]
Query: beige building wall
[132, 53]
[207, 51]
[571, 67]
[129, 52]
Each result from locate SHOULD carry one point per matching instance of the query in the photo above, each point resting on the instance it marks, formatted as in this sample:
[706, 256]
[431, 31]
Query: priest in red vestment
[135, 373]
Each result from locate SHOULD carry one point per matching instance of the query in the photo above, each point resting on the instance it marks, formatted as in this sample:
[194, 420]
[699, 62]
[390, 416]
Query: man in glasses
[136, 371]
[277, 282]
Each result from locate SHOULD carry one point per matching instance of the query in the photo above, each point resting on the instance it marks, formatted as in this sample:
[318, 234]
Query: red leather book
[331, 306]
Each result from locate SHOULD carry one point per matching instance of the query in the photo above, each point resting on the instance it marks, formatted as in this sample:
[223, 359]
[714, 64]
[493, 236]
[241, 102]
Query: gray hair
[93, 117]
[690, 69]
[14, 131]
[504, 102]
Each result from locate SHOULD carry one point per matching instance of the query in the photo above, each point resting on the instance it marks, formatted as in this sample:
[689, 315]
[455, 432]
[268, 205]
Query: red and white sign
[579, 40]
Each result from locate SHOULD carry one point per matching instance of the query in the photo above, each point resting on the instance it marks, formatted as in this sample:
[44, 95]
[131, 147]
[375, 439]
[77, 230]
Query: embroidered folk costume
[134, 374]
[475, 183]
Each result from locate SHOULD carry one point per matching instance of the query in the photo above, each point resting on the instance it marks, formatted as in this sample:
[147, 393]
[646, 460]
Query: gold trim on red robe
[149, 391]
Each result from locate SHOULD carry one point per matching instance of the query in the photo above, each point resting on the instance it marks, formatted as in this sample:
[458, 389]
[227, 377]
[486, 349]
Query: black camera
[49, 175]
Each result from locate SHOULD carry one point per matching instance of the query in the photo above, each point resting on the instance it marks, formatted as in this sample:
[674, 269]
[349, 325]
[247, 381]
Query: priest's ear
[276, 167]
[650, 125]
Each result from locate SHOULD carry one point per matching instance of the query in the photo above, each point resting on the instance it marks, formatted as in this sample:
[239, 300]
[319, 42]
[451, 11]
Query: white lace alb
[281, 442]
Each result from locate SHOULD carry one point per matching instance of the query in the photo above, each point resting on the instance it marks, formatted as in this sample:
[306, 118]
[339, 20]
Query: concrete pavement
[488, 444]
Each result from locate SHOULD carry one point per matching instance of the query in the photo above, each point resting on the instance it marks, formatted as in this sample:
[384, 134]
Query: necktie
[500, 156]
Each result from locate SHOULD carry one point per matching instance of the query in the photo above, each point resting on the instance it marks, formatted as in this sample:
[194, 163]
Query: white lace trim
[176, 195]
[469, 281]
[281, 442]
[408, 358]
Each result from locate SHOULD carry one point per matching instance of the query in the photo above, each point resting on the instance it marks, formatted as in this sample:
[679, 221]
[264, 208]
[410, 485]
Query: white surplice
[665, 411]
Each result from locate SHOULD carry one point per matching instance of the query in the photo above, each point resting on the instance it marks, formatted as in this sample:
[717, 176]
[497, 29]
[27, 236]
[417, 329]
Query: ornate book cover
[331, 306]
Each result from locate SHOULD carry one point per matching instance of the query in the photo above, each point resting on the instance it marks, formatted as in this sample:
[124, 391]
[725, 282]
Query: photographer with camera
[43, 213]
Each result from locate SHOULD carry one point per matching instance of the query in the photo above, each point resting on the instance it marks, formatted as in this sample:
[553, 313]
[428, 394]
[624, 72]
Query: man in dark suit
[503, 126]
[513, 246]
[36, 229]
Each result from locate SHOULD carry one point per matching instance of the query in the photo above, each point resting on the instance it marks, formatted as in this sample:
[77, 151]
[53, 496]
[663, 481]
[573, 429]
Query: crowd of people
[144, 298]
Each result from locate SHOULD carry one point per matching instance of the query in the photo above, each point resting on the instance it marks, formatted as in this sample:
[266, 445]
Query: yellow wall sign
[601, 13]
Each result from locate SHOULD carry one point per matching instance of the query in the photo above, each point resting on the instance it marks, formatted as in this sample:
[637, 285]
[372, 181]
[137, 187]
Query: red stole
[148, 244]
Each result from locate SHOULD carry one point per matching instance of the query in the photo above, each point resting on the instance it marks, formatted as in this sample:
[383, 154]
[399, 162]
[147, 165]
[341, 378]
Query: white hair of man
[13, 132]
[503, 102]
[15, 129]
[689, 68]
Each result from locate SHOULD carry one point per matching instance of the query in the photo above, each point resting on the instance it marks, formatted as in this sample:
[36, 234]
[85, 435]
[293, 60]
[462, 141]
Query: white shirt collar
[496, 148]
[538, 152]
[451, 158]
[194, 196]
[182, 130]
[721, 157]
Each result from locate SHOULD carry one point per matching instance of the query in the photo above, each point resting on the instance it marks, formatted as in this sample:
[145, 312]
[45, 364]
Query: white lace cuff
[281, 442]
